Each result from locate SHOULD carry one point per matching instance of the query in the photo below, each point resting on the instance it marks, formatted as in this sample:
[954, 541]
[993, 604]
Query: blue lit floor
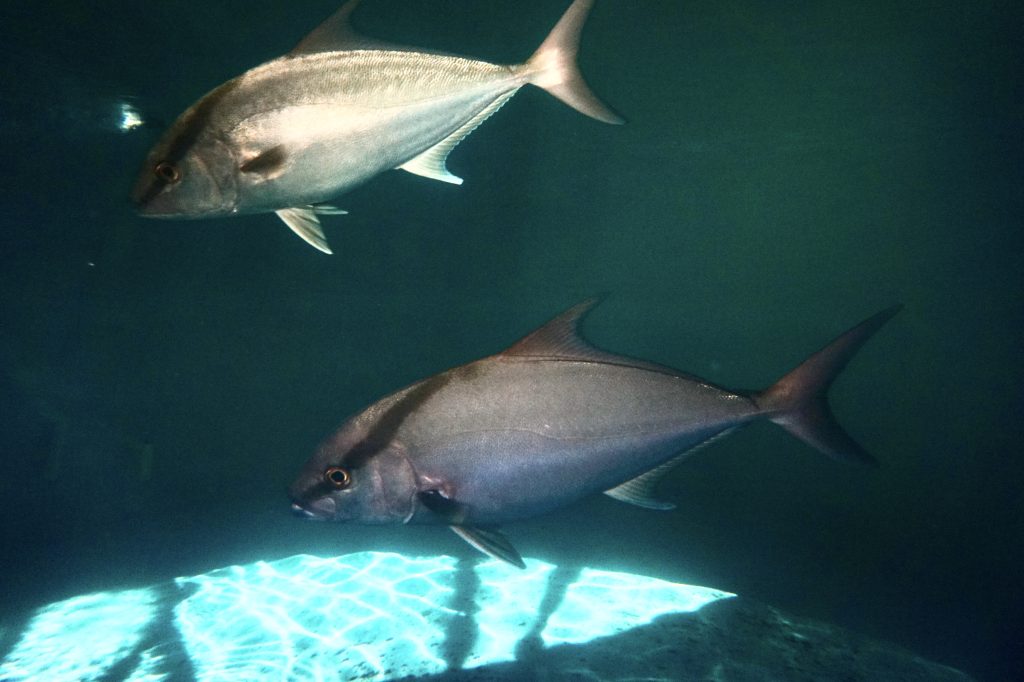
[382, 616]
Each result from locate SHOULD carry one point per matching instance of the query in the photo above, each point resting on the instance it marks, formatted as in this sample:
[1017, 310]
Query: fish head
[190, 173]
[352, 479]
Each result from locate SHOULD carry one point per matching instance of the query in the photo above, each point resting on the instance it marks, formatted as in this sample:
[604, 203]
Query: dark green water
[788, 169]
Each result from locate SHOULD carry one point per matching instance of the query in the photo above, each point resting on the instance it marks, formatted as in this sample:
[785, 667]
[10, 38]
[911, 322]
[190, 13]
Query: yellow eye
[337, 478]
[168, 172]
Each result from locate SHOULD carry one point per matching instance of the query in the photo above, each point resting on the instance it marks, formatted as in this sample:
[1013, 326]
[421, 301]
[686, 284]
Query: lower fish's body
[545, 423]
[556, 431]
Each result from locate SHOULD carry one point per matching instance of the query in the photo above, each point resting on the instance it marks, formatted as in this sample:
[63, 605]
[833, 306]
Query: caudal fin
[798, 402]
[553, 66]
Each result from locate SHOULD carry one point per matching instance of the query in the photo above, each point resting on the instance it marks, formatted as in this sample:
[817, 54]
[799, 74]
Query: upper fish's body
[546, 422]
[339, 109]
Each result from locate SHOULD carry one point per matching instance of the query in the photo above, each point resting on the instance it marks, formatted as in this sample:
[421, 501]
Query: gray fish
[338, 109]
[544, 423]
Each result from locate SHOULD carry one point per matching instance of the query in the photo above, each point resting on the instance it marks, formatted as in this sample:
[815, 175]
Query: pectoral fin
[303, 222]
[268, 163]
[446, 508]
[431, 163]
[488, 540]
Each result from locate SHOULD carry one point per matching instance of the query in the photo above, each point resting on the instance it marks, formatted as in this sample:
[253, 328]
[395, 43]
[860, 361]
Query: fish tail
[798, 402]
[553, 66]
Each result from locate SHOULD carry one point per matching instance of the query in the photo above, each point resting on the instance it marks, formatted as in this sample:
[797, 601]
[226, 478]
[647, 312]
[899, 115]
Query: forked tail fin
[553, 66]
[798, 402]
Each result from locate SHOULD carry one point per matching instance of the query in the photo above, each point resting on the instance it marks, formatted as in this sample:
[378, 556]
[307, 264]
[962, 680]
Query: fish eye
[337, 477]
[168, 172]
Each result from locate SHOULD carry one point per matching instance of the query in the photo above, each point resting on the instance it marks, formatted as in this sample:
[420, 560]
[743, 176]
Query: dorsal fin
[336, 34]
[560, 338]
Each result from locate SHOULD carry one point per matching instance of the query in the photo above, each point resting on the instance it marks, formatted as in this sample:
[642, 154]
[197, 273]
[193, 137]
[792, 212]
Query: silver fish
[338, 109]
[544, 423]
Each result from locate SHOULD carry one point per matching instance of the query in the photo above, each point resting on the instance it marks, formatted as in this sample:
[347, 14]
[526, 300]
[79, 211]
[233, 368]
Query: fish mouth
[142, 211]
[147, 204]
[301, 511]
[316, 510]
[141, 200]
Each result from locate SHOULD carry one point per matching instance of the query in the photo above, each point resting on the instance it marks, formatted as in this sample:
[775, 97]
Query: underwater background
[787, 169]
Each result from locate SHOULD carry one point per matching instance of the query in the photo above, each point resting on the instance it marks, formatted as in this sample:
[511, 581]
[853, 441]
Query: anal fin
[640, 490]
[328, 209]
[431, 163]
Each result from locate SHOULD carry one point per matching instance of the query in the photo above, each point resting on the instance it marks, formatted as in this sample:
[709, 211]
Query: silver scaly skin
[293, 133]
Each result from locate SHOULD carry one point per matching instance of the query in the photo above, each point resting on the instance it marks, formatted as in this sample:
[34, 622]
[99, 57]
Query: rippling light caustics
[80, 638]
[367, 616]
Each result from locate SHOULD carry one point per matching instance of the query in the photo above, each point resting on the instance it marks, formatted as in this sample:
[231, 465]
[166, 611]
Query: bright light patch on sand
[80, 638]
[603, 603]
[148, 669]
[367, 616]
[508, 605]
